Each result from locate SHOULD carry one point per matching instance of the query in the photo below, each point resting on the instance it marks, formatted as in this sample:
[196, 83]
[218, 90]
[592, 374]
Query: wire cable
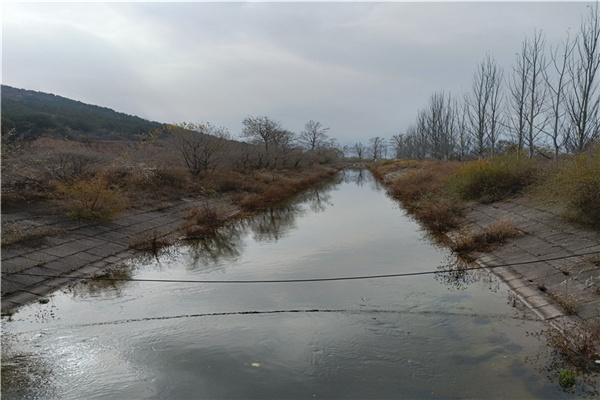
[330, 279]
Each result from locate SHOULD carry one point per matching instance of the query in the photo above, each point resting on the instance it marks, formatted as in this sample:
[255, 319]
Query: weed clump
[497, 232]
[493, 179]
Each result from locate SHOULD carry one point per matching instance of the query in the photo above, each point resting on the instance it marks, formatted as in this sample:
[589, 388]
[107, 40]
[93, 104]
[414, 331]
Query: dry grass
[468, 240]
[16, 232]
[423, 193]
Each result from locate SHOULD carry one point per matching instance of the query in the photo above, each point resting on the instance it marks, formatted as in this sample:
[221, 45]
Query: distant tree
[360, 150]
[313, 136]
[266, 132]
[377, 147]
[201, 145]
[483, 106]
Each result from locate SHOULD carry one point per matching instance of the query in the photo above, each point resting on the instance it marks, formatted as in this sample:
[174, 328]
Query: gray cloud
[363, 69]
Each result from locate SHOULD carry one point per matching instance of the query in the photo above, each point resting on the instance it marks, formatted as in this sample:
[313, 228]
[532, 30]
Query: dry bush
[579, 345]
[413, 185]
[67, 165]
[92, 199]
[467, 240]
[439, 215]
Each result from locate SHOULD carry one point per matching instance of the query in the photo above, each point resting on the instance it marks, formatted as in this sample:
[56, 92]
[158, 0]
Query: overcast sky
[361, 69]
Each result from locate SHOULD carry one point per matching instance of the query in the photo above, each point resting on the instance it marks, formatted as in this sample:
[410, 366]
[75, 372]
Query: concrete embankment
[35, 268]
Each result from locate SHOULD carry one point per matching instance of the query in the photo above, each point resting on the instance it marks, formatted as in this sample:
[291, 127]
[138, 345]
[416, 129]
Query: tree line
[546, 103]
[265, 144]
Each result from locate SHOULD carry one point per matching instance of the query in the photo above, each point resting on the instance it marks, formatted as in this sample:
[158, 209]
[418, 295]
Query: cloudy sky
[362, 69]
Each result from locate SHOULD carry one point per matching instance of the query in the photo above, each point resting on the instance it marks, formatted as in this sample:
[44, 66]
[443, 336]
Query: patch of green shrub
[566, 378]
[493, 179]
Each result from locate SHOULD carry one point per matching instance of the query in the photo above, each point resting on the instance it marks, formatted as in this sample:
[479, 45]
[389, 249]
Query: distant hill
[33, 114]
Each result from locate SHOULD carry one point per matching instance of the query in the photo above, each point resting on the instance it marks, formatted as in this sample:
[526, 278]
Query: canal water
[432, 335]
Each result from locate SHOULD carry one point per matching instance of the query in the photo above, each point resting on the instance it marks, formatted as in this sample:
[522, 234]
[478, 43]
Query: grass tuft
[468, 240]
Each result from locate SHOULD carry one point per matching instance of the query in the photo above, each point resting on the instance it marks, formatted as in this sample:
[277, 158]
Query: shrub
[577, 184]
[93, 199]
[439, 215]
[566, 378]
[499, 231]
[493, 179]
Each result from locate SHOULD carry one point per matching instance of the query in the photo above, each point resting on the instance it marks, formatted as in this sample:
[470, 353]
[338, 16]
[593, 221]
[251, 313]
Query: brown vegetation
[467, 240]
[98, 180]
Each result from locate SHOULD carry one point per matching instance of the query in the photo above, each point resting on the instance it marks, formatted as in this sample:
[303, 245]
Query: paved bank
[553, 268]
[75, 248]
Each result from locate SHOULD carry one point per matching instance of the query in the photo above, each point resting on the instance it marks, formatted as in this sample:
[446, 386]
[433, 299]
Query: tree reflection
[111, 282]
[223, 244]
[226, 243]
[458, 273]
[358, 176]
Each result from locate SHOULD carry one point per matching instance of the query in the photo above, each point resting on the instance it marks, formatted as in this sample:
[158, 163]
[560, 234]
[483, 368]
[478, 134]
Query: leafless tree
[266, 132]
[535, 92]
[313, 136]
[517, 87]
[377, 147]
[440, 120]
[584, 101]
[360, 150]
[558, 130]
[463, 139]
[484, 102]
[201, 145]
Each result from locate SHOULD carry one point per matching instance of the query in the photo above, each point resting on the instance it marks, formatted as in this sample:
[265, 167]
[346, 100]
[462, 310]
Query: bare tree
[584, 101]
[440, 120]
[262, 130]
[313, 136]
[377, 147]
[483, 105]
[463, 139]
[558, 129]
[517, 88]
[201, 145]
[360, 150]
[535, 63]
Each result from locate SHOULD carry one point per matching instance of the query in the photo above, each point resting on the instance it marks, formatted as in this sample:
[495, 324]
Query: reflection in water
[458, 274]
[224, 244]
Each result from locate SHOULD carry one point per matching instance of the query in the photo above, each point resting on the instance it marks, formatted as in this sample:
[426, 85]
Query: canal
[291, 325]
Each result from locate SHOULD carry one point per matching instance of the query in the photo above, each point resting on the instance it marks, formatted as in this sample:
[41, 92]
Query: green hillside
[33, 114]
